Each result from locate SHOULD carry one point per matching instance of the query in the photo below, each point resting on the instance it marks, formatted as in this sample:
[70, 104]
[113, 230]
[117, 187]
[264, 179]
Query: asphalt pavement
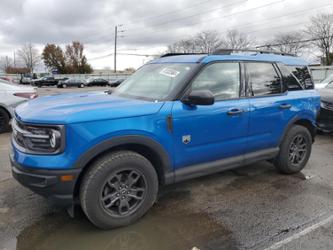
[253, 207]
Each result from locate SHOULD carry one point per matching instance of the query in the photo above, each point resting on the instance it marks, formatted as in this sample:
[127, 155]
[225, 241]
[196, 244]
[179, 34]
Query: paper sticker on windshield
[169, 72]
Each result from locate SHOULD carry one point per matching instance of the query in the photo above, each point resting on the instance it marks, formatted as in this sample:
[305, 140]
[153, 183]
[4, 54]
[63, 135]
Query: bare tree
[203, 42]
[182, 46]
[237, 40]
[321, 31]
[5, 63]
[288, 42]
[29, 56]
[207, 41]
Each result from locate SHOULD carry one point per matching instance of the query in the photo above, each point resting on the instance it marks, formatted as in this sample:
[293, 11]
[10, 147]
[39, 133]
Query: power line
[158, 16]
[230, 15]
[294, 42]
[268, 21]
[197, 14]
[122, 54]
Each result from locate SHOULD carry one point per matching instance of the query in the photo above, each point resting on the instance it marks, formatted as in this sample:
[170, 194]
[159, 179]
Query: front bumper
[48, 183]
[325, 120]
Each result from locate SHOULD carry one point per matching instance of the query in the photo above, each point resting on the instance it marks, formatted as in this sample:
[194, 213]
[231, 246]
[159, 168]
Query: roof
[193, 58]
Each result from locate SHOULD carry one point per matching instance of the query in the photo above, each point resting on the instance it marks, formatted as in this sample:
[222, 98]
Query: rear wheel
[4, 121]
[118, 189]
[64, 86]
[295, 150]
[81, 85]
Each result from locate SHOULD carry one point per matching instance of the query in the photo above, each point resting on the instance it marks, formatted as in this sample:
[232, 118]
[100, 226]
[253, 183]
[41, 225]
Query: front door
[214, 132]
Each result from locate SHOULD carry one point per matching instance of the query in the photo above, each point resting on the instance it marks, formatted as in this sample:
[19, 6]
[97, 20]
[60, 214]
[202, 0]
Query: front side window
[154, 81]
[222, 79]
[263, 79]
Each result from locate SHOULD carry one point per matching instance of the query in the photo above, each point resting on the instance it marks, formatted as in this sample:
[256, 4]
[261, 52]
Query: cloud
[147, 23]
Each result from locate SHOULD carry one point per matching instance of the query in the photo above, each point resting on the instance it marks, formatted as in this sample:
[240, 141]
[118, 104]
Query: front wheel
[118, 189]
[295, 150]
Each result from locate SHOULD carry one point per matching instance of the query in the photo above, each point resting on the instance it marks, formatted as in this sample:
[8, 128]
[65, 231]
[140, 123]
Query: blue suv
[176, 118]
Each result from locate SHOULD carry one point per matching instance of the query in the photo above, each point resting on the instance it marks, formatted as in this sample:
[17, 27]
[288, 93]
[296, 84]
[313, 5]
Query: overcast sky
[149, 25]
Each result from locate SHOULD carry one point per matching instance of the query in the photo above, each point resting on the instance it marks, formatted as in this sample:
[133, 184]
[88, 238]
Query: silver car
[12, 95]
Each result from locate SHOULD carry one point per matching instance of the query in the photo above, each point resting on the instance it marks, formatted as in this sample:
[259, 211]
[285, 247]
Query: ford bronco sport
[177, 117]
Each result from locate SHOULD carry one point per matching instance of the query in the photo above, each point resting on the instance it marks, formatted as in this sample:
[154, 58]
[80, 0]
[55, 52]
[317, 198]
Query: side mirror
[199, 97]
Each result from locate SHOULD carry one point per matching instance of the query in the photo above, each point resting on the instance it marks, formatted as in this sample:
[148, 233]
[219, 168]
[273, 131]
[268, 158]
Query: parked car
[26, 78]
[176, 118]
[44, 81]
[325, 119]
[97, 82]
[325, 82]
[116, 82]
[12, 95]
[71, 82]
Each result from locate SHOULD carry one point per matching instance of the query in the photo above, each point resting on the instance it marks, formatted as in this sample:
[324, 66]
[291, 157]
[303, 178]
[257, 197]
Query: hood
[326, 94]
[82, 107]
[17, 88]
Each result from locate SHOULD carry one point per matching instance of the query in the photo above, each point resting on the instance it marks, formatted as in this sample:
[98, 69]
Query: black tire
[109, 173]
[295, 150]
[64, 86]
[4, 121]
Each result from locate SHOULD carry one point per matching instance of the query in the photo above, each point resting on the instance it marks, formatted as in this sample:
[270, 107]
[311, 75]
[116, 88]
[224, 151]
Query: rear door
[270, 105]
[214, 132]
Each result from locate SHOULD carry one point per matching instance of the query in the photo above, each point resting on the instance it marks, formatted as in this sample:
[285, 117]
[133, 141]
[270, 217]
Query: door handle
[285, 106]
[235, 111]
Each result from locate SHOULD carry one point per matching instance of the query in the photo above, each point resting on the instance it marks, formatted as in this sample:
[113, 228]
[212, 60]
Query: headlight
[37, 139]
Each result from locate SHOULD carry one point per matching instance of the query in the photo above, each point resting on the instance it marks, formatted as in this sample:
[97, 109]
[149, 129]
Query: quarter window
[263, 79]
[222, 79]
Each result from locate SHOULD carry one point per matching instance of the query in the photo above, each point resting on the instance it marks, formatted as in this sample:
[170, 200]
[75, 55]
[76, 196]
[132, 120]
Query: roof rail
[230, 51]
[181, 54]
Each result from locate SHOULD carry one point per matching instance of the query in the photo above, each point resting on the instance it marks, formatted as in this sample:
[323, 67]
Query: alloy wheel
[297, 150]
[123, 193]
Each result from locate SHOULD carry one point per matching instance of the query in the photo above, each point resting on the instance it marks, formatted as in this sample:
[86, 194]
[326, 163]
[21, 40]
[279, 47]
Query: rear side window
[262, 79]
[290, 82]
[222, 79]
[302, 73]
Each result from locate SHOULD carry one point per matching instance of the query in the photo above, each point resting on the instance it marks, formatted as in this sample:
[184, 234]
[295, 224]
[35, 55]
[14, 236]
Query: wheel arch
[6, 110]
[143, 145]
[302, 121]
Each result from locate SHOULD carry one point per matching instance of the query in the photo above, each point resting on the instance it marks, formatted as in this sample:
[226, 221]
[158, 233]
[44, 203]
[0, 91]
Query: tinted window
[290, 82]
[263, 79]
[222, 79]
[302, 73]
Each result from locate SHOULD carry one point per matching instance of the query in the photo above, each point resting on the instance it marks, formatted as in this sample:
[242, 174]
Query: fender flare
[291, 123]
[113, 142]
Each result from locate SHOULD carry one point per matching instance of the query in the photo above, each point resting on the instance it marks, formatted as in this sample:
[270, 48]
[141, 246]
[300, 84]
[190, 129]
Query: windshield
[329, 86]
[328, 79]
[154, 81]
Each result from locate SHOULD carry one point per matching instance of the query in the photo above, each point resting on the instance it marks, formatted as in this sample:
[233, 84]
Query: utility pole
[115, 48]
[116, 36]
